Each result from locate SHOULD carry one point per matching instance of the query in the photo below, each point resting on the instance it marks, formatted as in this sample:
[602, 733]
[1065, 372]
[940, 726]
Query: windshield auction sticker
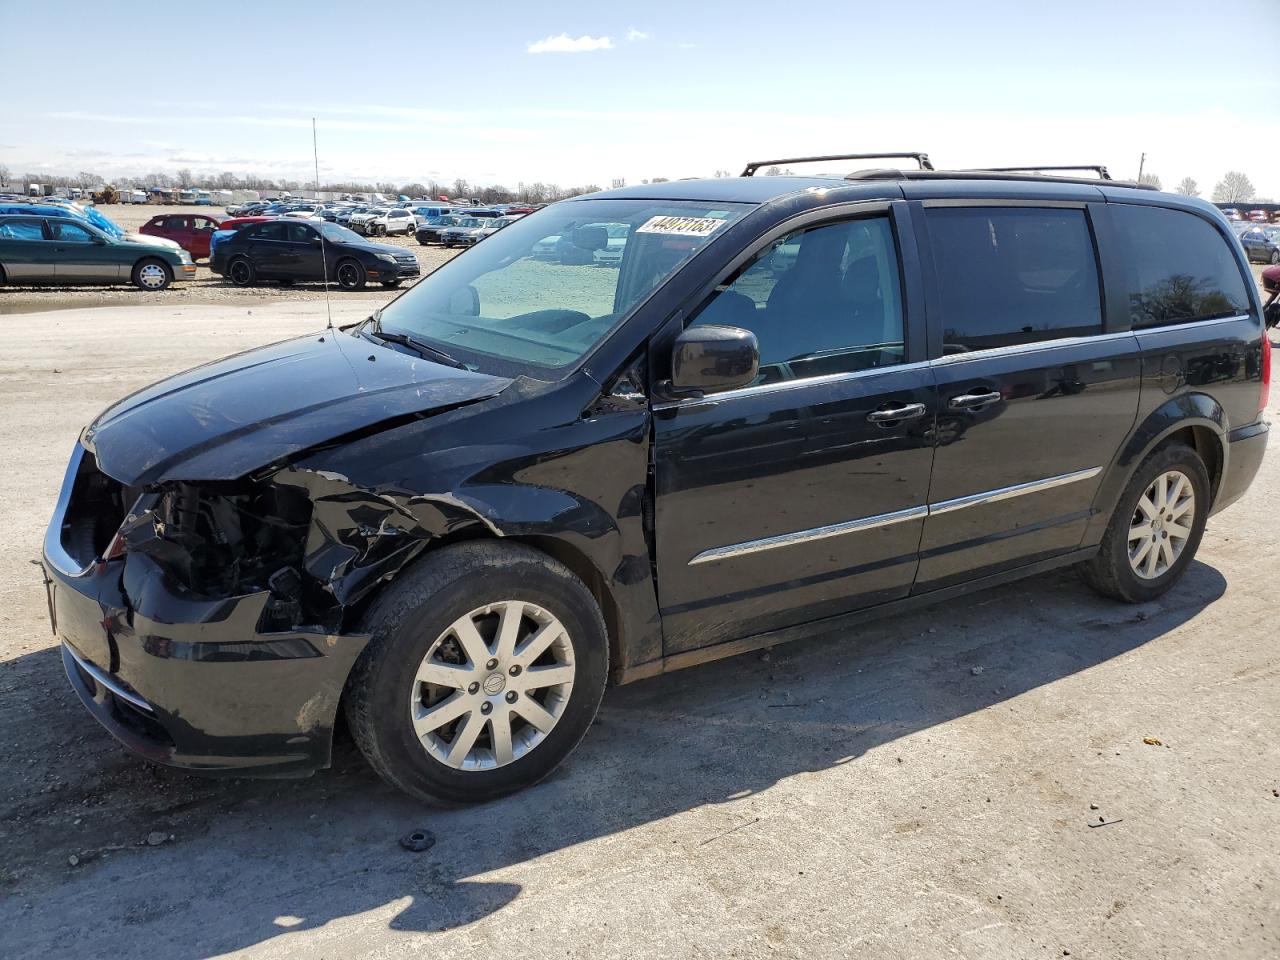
[681, 226]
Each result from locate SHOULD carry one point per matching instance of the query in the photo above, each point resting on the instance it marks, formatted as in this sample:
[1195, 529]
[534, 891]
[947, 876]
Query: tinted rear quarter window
[1014, 275]
[1180, 267]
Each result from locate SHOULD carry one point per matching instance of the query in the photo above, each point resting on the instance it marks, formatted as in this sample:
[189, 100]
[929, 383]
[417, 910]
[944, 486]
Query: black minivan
[798, 402]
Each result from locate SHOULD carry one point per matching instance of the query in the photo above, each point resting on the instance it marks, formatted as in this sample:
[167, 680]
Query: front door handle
[969, 401]
[894, 414]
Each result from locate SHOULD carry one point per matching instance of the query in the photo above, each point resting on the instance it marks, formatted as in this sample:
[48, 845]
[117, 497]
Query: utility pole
[1141, 163]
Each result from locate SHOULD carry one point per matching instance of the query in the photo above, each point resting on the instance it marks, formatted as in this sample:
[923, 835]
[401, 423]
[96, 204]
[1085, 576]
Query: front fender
[1177, 413]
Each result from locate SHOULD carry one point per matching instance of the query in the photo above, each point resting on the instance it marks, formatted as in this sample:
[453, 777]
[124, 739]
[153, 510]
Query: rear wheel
[486, 667]
[1275, 257]
[152, 275]
[1156, 528]
[241, 272]
[350, 275]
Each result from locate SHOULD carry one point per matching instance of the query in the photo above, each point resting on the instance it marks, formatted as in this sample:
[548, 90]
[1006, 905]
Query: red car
[191, 231]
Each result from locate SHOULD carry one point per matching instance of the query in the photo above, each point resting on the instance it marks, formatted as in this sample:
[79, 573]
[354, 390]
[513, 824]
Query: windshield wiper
[424, 349]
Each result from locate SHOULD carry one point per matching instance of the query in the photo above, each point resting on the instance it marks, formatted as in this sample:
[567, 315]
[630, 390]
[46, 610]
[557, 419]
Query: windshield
[333, 231]
[499, 310]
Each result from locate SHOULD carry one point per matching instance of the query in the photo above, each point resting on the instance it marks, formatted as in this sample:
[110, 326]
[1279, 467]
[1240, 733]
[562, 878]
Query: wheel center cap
[494, 684]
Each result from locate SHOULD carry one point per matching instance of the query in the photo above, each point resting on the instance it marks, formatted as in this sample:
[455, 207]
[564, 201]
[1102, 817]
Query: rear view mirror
[591, 238]
[707, 359]
[465, 302]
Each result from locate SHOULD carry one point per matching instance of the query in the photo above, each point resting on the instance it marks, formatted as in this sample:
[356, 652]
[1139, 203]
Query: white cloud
[633, 35]
[567, 44]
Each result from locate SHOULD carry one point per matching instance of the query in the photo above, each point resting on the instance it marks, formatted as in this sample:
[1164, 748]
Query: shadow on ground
[252, 860]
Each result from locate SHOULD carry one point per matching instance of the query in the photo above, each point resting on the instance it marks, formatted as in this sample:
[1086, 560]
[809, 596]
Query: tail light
[1265, 396]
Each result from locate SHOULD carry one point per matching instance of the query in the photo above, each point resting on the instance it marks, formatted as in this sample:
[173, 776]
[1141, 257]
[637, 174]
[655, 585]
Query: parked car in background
[424, 212]
[465, 237]
[397, 220]
[1258, 216]
[344, 216]
[548, 248]
[191, 231]
[48, 207]
[429, 232]
[292, 250]
[228, 228]
[1262, 244]
[59, 249]
[610, 255]
[460, 234]
[360, 221]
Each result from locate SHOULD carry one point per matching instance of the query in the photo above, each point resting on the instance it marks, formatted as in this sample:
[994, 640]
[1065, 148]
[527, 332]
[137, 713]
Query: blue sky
[407, 91]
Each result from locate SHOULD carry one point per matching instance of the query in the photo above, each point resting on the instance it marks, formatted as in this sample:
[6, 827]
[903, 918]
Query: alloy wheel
[492, 686]
[240, 273]
[348, 275]
[1161, 524]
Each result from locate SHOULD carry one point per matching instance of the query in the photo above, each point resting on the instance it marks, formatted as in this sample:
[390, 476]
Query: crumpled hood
[228, 418]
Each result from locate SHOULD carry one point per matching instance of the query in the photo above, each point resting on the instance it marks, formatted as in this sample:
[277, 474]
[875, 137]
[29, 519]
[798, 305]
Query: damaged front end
[208, 625]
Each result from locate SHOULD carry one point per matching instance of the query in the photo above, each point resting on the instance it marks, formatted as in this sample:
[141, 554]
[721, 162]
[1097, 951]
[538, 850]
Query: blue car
[90, 214]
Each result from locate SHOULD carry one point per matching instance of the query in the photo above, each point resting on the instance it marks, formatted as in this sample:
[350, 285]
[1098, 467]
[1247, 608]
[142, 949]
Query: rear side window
[1180, 268]
[1013, 275]
[22, 230]
[269, 231]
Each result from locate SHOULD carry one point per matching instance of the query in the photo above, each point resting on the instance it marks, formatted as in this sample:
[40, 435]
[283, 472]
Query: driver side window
[821, 301]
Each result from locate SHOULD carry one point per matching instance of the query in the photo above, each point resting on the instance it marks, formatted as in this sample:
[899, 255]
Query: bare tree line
[1234, 187]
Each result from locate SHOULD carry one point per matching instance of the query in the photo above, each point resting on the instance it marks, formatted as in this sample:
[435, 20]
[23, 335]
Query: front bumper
[188, 681]
[1245, 449]
[185, 271]
[397, 271]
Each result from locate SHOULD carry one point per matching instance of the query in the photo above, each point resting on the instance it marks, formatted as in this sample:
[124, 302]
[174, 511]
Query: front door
[802, 495]
[1034, 394]
[83, 256]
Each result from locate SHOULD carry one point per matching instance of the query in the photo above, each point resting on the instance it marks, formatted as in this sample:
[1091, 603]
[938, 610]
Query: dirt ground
[965, 781]
[207, 287]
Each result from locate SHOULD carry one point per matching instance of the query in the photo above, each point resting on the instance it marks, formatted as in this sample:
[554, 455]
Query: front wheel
[486, 667]
[1156, 528]
[152, 275]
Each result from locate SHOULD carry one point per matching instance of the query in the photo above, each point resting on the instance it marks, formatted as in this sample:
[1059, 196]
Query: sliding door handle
[896, 414]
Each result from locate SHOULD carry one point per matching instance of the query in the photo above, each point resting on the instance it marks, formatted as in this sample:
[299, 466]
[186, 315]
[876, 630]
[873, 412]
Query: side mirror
[591, 238]
[708, 359]
[465, 302]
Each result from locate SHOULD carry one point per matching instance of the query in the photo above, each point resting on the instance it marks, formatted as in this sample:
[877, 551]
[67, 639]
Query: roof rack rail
[988, 175]
[921, 158]
[1098, 168]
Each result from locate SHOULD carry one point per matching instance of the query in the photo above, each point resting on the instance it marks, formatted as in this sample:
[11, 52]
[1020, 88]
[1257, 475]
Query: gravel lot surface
[966, 781]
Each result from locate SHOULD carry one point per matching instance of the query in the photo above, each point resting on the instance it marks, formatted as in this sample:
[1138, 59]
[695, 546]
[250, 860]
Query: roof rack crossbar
[921, 158]
[1097, 168]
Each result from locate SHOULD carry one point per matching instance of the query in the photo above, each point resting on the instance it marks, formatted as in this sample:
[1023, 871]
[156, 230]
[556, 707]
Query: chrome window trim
[807, 536]
[1033, 347]
[102, 678]
[1017, 490]
[898, 516]
[780, 385]
[1210, 321]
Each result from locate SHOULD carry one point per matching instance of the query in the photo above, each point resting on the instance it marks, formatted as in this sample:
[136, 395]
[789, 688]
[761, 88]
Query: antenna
[324, 255]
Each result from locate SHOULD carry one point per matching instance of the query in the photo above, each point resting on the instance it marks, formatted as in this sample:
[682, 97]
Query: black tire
[3, 279]
[1275, 257]
[240, 272]
[152, 275]
[405, 622]
[350, 275]
[1110, 571]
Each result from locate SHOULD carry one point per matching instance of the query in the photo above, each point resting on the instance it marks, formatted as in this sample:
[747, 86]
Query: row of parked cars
[1261, 241]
